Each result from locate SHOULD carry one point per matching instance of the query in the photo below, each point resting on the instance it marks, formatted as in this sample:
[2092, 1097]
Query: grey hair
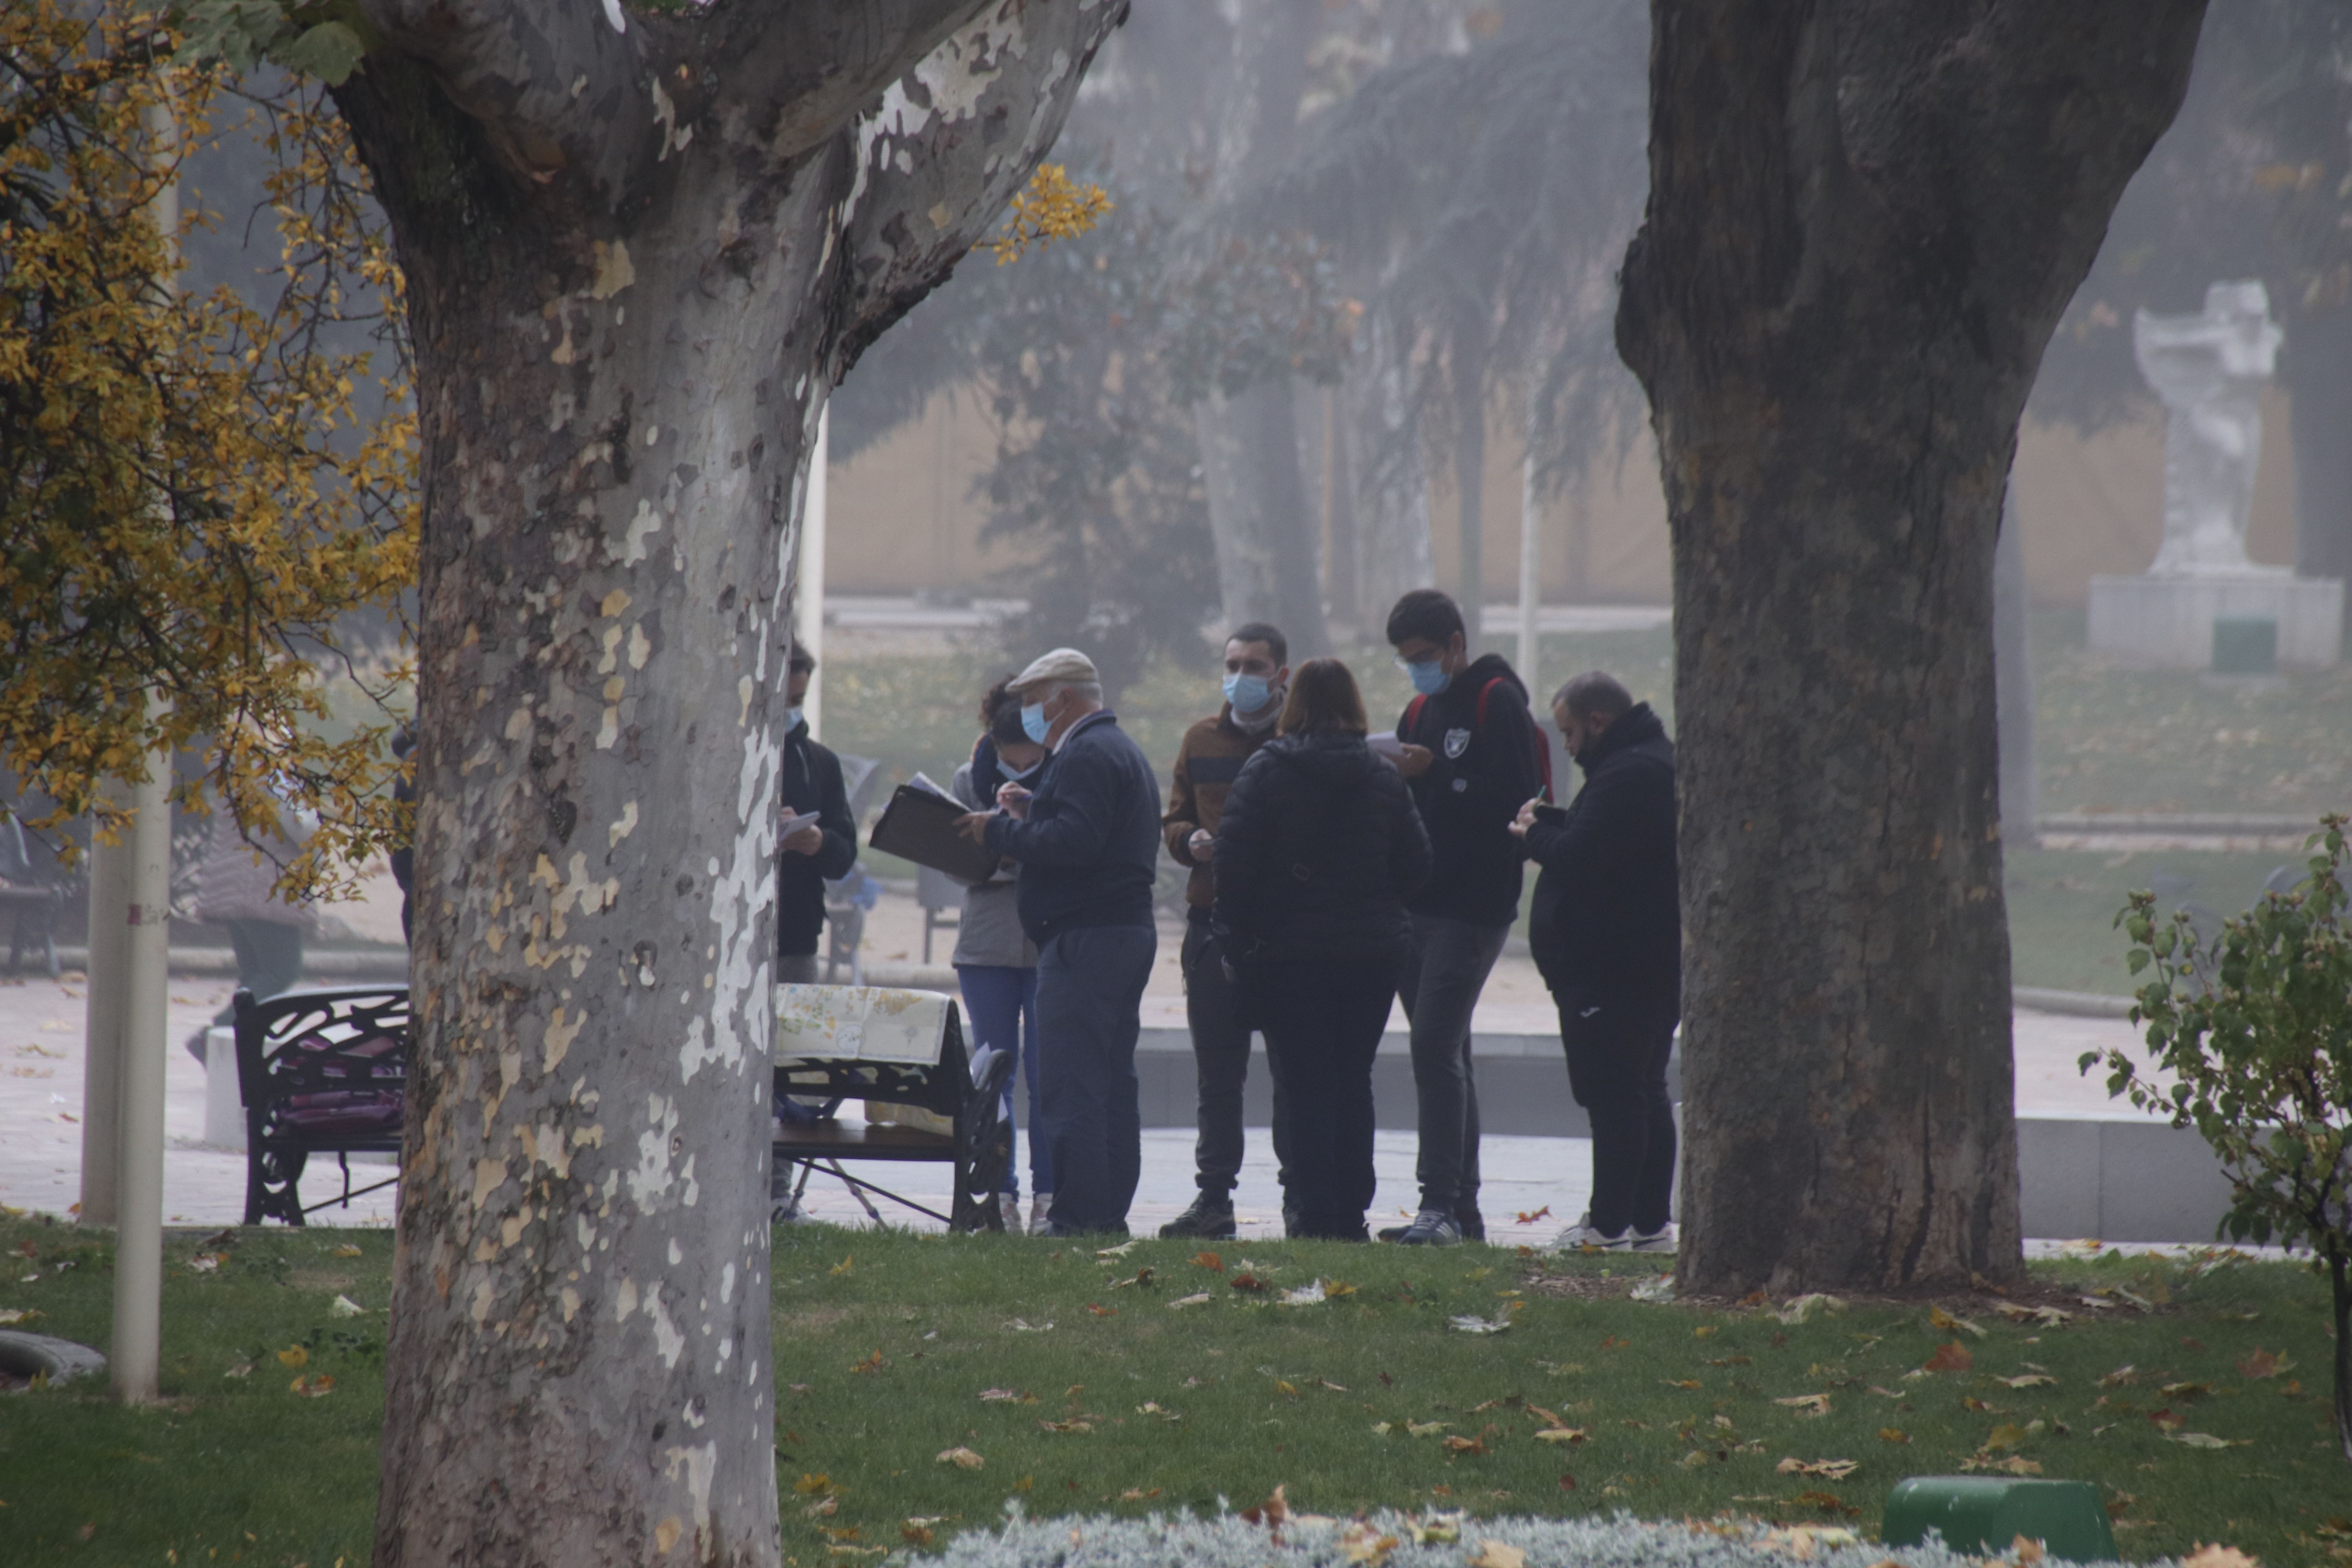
[1084, 690]
[1593, 692]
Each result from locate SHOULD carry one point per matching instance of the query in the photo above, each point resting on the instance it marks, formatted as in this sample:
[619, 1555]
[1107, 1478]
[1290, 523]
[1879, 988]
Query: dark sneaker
[1472, 1222]
[1209, 1219]
[1431, 1227]
[1392, 1232]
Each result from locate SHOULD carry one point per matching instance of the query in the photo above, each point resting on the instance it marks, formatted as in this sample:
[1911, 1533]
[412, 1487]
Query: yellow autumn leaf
[296, 1357]
[962, 1458]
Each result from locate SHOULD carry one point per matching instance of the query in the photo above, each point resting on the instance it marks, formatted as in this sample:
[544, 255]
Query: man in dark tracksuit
[1208, 760]
[1088, 841]
[1606, 932]
[1473, 755]
[813, 855]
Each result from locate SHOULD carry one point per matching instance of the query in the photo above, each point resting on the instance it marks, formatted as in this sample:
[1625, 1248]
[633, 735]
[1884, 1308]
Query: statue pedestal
[2168, 620]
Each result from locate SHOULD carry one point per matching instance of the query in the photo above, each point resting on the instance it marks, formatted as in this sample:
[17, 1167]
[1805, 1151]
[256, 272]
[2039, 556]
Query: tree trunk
[627, 302]
[1468, 374]
[1249, 445]
[1339, 496]
[2319, 380]
[1865, 218]
[2012, 660]
[1392, 488]
[1259, 515]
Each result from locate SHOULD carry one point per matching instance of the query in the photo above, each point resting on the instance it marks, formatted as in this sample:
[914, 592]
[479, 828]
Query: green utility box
[2245, 645]
[1986, 1513]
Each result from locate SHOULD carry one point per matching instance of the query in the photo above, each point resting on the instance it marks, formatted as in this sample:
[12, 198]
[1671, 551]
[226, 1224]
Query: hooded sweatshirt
[1318, 849]
[1606, 925]
[1483, 769]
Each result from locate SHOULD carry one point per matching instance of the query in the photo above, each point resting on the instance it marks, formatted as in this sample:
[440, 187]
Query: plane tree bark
[1865, 218]
[639, 249]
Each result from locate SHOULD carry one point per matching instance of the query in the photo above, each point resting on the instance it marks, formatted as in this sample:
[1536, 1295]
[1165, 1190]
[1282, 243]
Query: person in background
[1606, 932]
[403, 853]
[1208, 760]
[1474, 754]
[1320, 849]
[236, 888]
[1086, 838]
[818, 851]
[995, 962]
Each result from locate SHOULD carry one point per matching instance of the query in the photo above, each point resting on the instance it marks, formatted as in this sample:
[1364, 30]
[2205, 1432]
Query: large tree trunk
[1258, 514]
[2319, 380]
[2013, 659]
[1467, 377]
[1865, 218]
[1389, 485]
[636, 263]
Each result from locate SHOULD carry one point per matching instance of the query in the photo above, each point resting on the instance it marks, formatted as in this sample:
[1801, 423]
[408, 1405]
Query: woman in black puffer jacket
[1318, 847]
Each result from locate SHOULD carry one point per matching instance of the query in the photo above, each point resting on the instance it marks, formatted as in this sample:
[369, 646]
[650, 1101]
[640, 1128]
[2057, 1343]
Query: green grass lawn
[892, 1350]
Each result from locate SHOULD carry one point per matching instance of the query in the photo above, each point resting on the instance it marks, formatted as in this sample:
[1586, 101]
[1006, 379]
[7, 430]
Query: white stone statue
[2209, 369]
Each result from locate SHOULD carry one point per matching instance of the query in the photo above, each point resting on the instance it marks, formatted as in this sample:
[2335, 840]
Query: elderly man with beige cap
[1087, 840]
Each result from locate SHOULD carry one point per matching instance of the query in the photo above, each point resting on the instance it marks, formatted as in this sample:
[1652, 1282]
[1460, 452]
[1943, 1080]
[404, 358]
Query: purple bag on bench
[349, 1111]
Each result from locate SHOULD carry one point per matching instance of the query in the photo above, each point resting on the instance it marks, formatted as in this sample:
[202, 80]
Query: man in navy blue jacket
[822, 845]
[1606, 932]
[1087, 840]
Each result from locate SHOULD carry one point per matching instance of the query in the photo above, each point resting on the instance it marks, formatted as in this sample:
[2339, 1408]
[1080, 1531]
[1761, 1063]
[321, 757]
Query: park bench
[320, 1072]
[890, 1048]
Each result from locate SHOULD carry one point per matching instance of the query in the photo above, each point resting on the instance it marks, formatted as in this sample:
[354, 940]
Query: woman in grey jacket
[994, 962]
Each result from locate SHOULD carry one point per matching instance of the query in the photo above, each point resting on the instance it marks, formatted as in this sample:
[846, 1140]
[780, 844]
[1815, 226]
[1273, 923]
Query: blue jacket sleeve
[1073, 827]
[840, 851]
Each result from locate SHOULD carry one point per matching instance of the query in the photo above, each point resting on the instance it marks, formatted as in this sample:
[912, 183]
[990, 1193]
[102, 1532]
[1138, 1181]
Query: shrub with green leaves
[2254, 1029]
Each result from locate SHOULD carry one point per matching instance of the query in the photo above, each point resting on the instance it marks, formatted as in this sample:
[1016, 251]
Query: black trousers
[1445, 968]
[1323, 1024]
[1220, 1054]
[1617, 1072]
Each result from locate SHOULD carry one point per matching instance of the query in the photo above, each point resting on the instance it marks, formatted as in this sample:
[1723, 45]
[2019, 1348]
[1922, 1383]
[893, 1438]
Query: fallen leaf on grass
[847, 1264]
[1499, 1554]
[1473, 1324]
[824, 1508]
[1005, 1396]
[18, 1315]
[1940, 1318]
[1657, 1288]
[1892, 1435]
[1803, 1306]
[344, 1307]
[204, 1263]
[2215, 1557]
[1465, 1445]
[2206, 1440]
[1680, 1383]
[2007, 1434]
[1426, 1428]
[2253, 1368]
[1307, 1295]
[1362, 1542]
[1884, 1392]
[915, 1534]
[1335, 1288]
[1437, 1529]
[1102, 1311]
[2166, 1421]
[2121, 1377]
[2015, 1465]
[1828, 1469]
[347, 1250]
[1023, 1326]
[1199, 1298]
[1273, 1511]
[1141, 1276]
[242, 1369]
[1543, 1212]
[295, 1358]
[1562, 1435]
[317, 1387]
[1154, 1407]
[1952, 1356]
[809, 1486]
[1611, 1342]
[874, 1363]
[1210, 1261]
[1065, 1426]
[2030, 1379]
[1808, 1404]
[962, 1458]
[1121, 1250]
[2184, 1390]
[1246, 1282]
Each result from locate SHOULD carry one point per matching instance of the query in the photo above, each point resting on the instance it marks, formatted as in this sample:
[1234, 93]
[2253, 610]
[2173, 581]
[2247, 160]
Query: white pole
[101, 1060]
[1531, 569]
[136, 1354]
[809, 605]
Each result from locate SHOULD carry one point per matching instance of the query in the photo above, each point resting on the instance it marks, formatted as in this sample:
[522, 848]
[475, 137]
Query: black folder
[919, 825]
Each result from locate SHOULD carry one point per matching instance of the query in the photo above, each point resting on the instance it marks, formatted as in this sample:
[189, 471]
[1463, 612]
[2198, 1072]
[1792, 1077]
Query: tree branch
[952, 142]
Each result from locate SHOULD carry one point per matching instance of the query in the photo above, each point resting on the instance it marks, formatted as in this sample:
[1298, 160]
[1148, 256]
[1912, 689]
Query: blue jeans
[1089, 1012]
[1003, 1003]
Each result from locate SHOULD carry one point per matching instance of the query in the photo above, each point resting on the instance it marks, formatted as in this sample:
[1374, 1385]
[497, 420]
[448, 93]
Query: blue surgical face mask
[1033, 723]
[1248, 693]
[792, 719]
[1429, 678]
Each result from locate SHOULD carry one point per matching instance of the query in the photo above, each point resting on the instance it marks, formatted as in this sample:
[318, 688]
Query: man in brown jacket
[1257, 673]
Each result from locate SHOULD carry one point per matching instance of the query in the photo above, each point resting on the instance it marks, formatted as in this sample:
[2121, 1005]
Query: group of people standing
[1332, 873]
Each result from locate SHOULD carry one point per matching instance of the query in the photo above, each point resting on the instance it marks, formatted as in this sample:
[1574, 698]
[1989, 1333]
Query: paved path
[41, 1092]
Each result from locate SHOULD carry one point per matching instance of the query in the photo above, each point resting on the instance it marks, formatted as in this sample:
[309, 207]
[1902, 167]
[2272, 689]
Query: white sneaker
[1659, 1240]
[1040, 1215]
[1582, 1238]
[1009, 1205]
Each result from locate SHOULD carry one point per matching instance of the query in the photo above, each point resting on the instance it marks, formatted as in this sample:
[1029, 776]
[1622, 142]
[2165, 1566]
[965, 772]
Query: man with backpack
[1473, 755]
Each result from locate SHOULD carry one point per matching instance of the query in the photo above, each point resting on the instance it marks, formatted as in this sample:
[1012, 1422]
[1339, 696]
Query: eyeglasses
[1407, 663]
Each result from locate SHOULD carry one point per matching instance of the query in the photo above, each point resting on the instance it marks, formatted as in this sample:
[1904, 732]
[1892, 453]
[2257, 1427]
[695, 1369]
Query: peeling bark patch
[613, 271]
